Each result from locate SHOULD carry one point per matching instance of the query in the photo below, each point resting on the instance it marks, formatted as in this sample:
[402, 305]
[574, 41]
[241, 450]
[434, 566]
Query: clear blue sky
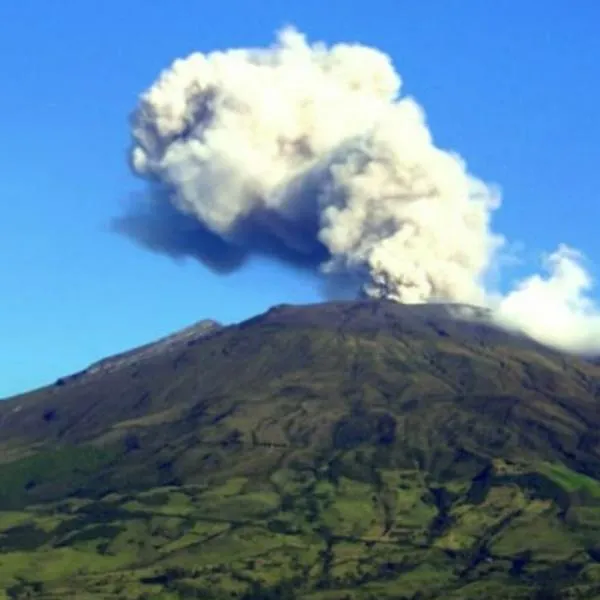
[514, 87]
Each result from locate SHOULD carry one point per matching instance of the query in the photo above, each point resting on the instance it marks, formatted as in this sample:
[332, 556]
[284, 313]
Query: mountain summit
[341, 450]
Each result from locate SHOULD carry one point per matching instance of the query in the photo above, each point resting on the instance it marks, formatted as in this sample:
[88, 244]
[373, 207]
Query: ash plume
[311, 155]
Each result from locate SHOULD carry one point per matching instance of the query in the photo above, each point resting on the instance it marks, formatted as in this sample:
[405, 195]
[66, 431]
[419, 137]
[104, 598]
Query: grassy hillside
[354, 450]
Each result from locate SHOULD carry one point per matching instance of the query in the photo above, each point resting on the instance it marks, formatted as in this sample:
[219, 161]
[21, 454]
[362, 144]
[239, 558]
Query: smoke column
[311, 155]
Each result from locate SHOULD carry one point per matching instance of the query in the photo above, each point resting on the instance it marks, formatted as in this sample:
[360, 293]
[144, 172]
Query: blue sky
[513, 87]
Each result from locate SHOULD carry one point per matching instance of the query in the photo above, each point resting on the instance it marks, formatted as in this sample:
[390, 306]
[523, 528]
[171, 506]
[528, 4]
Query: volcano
[350, 450]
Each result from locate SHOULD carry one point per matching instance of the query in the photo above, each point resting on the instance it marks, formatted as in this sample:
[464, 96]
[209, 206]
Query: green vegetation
[337, 452]
[312, 536]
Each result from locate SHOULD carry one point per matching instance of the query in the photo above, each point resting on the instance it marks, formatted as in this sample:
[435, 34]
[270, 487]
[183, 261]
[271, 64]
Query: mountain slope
[359, 450]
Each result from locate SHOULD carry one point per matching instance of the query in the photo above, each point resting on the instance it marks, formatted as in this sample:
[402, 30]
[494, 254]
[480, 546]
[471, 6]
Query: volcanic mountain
[342, 450]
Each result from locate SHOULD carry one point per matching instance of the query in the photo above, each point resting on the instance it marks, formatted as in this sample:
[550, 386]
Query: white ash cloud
[557, 309]
[311, 154]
